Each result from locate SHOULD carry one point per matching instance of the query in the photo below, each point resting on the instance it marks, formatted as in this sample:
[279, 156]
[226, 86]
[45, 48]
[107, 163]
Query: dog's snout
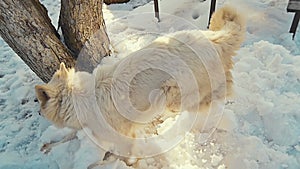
[39, 112]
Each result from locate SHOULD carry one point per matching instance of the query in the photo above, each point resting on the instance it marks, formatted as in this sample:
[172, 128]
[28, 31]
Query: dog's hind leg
[108, 158]
[172, 94]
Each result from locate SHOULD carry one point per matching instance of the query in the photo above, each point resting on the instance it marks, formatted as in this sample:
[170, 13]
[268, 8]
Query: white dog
[183, 71]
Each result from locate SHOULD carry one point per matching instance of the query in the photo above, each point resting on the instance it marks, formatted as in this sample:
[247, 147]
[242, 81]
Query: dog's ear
[63, 70]
[42, 93]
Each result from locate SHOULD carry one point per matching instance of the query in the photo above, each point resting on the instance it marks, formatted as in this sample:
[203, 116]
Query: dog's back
[208, 54]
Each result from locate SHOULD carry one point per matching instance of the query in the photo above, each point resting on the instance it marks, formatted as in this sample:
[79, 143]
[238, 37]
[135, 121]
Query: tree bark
[27, 29]
[84, 32]
[115, 1]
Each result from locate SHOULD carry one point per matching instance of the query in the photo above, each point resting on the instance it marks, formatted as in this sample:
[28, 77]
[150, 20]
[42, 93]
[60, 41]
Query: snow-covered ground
[260, 126]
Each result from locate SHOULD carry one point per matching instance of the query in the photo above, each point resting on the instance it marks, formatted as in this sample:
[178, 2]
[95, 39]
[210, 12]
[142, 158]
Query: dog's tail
[228, 28]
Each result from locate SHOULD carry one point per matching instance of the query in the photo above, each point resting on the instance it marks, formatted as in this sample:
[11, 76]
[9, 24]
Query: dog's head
[55, 97]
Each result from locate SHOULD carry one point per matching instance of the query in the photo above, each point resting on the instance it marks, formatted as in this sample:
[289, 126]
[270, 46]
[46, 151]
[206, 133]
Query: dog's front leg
[46, 148]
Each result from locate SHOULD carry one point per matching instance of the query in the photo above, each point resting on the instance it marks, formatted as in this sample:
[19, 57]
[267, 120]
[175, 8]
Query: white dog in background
[162, 77]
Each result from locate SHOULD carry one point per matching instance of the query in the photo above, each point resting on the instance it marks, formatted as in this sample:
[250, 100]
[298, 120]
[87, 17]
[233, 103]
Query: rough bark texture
[84, 31]
[115, 1]
[27, 29]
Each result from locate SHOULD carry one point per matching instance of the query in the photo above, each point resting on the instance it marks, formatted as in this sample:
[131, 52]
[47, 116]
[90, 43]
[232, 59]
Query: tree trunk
[115, 1]
[84, 32]
[27, 29]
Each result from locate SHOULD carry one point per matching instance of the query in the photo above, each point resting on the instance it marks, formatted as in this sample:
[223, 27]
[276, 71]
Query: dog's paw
[107, 159]
[46, 148]
[98, 164]
[94, 165]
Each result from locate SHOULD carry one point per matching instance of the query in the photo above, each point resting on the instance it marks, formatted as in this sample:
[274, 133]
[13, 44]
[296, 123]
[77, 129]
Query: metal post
[295, 23]
[212, 10]
[156, 10]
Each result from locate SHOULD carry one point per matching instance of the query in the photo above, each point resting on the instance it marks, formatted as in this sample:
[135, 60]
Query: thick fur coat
[185, 71]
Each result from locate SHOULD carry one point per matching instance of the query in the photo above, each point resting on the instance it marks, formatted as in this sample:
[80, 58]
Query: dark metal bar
[295, 23]
[212, 10]
[156, 10]
[293, 6]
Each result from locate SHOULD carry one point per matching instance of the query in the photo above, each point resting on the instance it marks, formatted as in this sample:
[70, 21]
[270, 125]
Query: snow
[260, 125]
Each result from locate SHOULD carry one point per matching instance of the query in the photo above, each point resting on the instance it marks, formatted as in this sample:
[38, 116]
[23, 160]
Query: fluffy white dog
[183, 71]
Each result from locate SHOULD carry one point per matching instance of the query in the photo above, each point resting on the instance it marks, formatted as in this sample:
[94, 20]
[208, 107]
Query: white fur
[186, 70]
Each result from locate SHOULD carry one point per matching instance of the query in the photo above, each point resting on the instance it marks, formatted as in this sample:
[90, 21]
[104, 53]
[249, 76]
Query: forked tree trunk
[27, 29]
[84, 31]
